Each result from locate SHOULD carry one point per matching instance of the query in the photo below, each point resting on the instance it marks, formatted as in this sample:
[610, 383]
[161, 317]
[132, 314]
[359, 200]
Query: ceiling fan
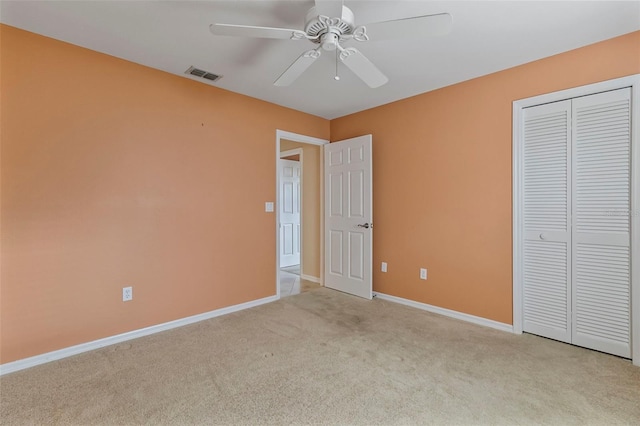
[330, 23]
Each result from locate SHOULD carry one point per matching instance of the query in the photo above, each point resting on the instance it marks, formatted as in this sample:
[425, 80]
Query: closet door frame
[633, 82]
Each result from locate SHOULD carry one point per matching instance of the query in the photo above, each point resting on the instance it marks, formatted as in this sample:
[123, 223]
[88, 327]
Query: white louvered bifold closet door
[547, 236]
[601, 148]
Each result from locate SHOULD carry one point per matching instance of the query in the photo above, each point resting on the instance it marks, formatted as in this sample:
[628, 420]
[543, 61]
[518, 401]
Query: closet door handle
[542, 236]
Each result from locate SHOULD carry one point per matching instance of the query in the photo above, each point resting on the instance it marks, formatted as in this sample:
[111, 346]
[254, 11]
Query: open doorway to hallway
[299, 206]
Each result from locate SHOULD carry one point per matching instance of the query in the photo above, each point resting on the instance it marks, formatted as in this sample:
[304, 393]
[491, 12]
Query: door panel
[545, 276]
[546, 260]
[289, 212]
[356, 191]
[601, 238]
[356, 257]
[602, 297]
[335, 248]
[335, 195]
[348, 205]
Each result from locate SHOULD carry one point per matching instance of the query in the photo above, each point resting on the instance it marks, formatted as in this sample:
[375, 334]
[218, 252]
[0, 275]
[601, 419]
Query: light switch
[423, 273]
[383, 268]
[268, 206]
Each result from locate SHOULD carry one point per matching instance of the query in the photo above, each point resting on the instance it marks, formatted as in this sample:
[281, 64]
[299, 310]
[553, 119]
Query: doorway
[292, 278]
[290, 170]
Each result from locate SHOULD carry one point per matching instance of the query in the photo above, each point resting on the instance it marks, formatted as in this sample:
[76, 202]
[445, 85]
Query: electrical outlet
[423, 273]
[127, 294]
[383, 267]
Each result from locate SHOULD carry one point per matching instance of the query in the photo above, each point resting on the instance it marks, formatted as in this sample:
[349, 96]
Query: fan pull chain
[337, 77]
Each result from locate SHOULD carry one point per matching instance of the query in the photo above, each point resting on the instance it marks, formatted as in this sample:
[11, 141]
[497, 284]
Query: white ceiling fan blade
[296, 69]
[251, 31]
[362, 67]
[418, 26]
[330, 8]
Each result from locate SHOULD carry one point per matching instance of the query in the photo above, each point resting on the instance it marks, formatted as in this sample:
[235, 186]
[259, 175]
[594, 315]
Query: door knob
[366, 225]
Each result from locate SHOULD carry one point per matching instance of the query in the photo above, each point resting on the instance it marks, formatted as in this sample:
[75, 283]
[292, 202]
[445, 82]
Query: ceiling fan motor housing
[328, 30]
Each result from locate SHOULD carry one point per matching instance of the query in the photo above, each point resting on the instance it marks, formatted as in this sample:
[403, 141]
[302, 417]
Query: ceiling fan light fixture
[330, 41]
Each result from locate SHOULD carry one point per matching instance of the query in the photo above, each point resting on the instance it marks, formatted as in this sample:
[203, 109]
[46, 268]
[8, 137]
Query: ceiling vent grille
[202, 74]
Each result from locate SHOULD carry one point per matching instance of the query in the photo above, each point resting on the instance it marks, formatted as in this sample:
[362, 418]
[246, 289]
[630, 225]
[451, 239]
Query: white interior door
[289, 212]
[547, 231]
[348, 216]
[576, 258]
[601, 211]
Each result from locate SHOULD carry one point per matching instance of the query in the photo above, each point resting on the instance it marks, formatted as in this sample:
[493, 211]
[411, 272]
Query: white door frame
[632, 81]
[296, 137]
[299, 153]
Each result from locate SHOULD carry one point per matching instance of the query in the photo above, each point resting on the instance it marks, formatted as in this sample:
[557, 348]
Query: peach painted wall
[310, 205]
[113, 175]
[442, 178]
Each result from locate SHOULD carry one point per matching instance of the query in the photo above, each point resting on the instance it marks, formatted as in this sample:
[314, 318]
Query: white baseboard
[21, 364]
[310, 278]
[447, 312]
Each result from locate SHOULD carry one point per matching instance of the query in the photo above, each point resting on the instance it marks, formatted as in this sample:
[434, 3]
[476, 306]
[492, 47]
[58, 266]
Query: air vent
[202, 73]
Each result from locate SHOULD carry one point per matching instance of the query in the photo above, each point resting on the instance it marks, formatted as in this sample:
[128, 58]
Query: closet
[575, 183]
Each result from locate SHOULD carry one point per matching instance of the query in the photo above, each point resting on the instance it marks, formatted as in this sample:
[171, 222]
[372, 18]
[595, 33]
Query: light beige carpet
[323, 357]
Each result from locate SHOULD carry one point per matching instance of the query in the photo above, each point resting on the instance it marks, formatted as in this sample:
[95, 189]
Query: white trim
[576, 92]
[447, 312]
[321, 218]
[310, 278]
[22, 364]
[632, 81]
[290, 152]
[517, 220]
[281, 134]
[635, 221]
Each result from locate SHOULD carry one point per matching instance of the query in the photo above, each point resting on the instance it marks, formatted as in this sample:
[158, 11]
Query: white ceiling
[487, 36]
